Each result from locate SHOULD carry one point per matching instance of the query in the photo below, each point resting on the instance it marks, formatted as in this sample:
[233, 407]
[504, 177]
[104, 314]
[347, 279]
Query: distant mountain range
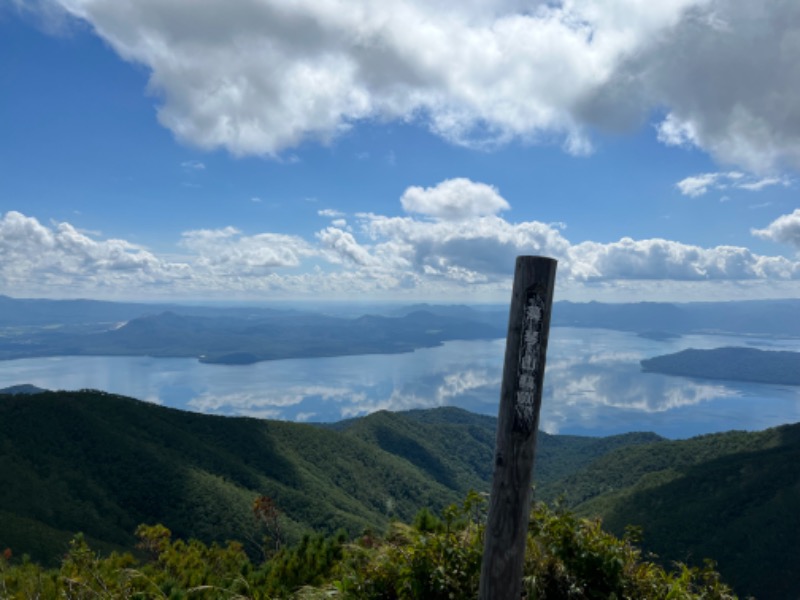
[34, 328]
[752, 317]
[237, 340]
[102, 464]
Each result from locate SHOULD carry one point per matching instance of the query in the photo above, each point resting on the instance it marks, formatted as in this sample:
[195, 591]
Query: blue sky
[398, 150]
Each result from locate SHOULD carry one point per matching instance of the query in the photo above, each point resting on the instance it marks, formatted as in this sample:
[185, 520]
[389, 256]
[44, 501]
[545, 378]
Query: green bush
[438, 558]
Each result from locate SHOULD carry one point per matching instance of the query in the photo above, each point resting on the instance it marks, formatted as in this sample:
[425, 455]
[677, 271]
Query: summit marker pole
[517, 424]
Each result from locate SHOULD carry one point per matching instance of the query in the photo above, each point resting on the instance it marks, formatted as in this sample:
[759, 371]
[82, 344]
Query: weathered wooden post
[517, 424]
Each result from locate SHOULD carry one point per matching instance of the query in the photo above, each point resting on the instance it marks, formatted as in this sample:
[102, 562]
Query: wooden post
[517, 424]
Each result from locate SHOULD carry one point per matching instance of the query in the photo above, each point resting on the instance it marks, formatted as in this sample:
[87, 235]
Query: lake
[593, 384]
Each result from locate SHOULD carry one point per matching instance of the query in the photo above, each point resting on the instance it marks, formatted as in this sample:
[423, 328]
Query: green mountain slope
[732, 496]
[456, 446]
[99, 463]
[102, 464]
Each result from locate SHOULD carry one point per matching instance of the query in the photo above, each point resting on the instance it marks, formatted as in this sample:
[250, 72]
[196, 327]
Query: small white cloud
[785, 229]
[193, 165]
[256, 200]
[330, 212]
[454, 200]
[760, 184]
[674, 132]
[578, 144]
[698, 185]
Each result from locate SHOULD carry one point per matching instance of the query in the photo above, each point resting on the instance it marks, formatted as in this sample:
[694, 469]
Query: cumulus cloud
[343, 246]
[698, 185]
[407, 256]
[475, 250]
[665, 259]
[785, 229]
[261, 76]
[454, 200]
[59, 259]
[729, 77]
[61, 255]
[228, 248]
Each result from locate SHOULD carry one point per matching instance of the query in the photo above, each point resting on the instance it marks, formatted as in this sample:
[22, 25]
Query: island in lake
[738, 364]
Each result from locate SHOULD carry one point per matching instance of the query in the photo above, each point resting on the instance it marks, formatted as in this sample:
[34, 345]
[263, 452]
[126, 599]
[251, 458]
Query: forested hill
[102, 464]
[731, 496]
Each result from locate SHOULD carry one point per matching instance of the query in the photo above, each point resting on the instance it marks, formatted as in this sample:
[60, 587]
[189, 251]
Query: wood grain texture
[517, 424]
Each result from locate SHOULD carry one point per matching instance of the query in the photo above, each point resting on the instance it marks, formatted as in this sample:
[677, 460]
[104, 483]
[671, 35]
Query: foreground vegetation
[436, 557]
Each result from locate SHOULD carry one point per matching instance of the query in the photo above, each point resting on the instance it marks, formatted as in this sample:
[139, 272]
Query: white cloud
[472, 251]
[60, 256]
[343, 246]
[193, 165]
[674, 132]
[669, 260]
[454, 200]
[261, 76]
[698, 185]
[760, 184]
[728, 75]
[384, 256]
[228, 248]
[785, 229]
[330, 212]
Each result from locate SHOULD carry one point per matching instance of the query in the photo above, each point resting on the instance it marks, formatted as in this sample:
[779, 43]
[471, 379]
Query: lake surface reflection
[593, 384]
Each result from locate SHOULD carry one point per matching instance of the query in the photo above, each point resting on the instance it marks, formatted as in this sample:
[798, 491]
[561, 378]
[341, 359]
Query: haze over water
[593, 384]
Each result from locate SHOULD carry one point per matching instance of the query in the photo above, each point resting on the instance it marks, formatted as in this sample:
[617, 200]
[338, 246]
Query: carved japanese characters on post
[529, 360]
